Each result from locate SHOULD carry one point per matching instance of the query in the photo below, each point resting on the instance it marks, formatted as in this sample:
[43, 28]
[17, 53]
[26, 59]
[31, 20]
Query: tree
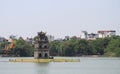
[22, 48]
[80, 47]
[109, 46]
[67, 48]
[113, 48]
[54, 48]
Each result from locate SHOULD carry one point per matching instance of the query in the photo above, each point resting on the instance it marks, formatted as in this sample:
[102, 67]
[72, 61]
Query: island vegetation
[109, 46]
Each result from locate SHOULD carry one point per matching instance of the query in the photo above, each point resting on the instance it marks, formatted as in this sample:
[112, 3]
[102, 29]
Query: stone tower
[41, 46]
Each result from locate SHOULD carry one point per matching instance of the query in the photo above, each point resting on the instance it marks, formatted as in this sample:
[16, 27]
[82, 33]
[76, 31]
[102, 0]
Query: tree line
[21, 48]
[109, 46]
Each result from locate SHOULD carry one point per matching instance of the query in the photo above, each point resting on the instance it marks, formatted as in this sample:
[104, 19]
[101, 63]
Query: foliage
[22, 48]
[113, 48]
[2, 46]
[54, 47]
[76, 47]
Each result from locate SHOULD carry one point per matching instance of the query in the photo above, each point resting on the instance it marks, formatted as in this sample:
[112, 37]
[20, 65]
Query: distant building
[92, 36]
[13, 37]
[67, 37]
[100, 34]
[2, 39]
[87, 36]
[59, 39]
[50, 38]
[74, 37]
[84, 35]
[106, 33]
[29, 40]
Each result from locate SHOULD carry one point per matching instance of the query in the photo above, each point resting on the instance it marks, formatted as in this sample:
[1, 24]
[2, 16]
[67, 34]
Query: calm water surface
[86, 66]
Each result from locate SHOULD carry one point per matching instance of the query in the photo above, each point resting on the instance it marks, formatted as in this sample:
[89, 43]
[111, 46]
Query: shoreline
[94, 56]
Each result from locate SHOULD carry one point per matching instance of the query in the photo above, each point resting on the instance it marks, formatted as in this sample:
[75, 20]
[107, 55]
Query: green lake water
[87, 65]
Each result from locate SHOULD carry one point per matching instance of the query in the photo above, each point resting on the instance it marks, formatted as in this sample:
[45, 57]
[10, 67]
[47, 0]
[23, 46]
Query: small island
[41, 52]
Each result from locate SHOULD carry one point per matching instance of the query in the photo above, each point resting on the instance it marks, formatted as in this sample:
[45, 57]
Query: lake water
[87, 65]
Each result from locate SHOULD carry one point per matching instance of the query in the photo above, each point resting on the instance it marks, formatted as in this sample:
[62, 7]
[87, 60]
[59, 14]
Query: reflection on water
[42, 68]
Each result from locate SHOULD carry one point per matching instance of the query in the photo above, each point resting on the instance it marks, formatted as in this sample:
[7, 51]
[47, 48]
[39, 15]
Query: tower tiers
[41, 46]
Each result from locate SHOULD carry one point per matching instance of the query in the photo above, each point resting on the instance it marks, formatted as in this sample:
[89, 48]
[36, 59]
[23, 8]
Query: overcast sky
[58, 17]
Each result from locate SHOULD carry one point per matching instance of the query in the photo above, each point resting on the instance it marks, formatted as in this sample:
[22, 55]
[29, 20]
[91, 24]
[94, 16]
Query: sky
[58, 17]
